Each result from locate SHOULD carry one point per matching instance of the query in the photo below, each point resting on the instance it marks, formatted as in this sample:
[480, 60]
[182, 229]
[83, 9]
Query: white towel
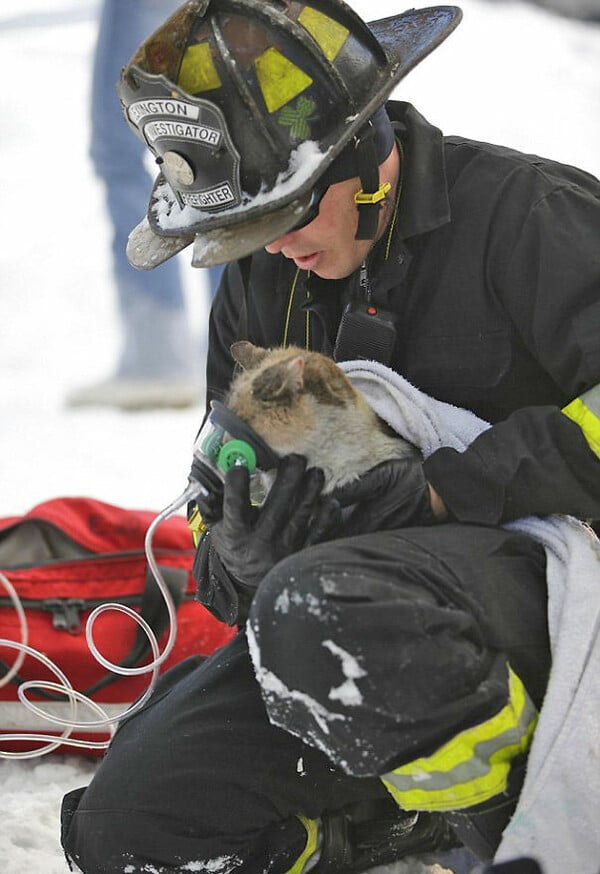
[557, 820]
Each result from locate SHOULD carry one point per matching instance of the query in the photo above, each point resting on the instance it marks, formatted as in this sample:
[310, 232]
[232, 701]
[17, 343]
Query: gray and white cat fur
[300, 402]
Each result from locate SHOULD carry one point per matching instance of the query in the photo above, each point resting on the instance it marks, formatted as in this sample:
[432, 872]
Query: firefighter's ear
[247, 355]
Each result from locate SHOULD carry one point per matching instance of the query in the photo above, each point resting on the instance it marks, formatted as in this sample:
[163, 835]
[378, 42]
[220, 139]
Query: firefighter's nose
[276, 246]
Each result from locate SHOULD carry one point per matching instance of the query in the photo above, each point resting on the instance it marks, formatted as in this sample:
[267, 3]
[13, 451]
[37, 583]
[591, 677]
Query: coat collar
[424, 204]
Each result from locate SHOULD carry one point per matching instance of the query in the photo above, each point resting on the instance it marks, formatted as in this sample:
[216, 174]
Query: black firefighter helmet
[245, 104]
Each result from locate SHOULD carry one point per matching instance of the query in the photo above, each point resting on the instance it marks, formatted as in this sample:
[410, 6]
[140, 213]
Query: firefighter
[383, 690]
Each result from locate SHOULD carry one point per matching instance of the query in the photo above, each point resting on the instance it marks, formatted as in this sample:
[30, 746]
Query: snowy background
[512, 73]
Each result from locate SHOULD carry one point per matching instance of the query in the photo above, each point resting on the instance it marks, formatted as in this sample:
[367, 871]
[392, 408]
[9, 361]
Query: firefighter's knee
[290, 593]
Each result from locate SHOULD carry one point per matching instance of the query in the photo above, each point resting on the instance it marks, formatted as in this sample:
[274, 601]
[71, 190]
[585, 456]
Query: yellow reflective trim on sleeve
[329, 35]
[280, 80]
[474, 765]
[312, 836]
[198, 71]
[585, 412]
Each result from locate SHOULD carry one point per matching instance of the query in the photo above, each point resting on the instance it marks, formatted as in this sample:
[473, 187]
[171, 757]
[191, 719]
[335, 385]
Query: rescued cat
[300, 402]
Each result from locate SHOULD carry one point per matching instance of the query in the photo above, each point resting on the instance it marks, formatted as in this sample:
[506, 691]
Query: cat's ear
[246, 354]
[294, 374]
[281, 382]
[324, 379]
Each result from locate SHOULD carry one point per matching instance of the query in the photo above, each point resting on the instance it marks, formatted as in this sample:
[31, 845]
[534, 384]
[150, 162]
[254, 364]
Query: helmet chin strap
[369, 198]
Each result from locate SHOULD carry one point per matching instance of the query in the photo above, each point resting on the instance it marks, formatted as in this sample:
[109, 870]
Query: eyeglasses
[313, 210]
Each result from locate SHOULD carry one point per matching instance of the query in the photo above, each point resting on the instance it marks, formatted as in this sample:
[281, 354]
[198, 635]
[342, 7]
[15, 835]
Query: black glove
[394, 494]
[250, 540]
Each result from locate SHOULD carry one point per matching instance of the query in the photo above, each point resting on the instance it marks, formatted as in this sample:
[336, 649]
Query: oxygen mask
[226, 441]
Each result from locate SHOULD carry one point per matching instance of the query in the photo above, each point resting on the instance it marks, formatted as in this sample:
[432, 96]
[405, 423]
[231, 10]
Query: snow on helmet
[245, 104]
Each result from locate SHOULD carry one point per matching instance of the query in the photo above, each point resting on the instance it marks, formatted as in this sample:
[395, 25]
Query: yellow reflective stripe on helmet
[474, 765]
[585, 412]
[329, 35]
[280, 80]
[198, 71]
[312, 836]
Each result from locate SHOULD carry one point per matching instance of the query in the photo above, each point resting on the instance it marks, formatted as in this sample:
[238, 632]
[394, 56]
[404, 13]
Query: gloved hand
[250, 540]
[393, 494]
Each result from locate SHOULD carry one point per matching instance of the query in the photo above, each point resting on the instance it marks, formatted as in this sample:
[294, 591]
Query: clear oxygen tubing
[64, 687]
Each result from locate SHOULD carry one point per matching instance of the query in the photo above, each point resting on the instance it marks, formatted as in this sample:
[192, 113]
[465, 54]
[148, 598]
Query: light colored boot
[157, 368]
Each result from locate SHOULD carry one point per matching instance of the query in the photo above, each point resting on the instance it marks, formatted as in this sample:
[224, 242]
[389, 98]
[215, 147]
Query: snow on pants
[370, 653]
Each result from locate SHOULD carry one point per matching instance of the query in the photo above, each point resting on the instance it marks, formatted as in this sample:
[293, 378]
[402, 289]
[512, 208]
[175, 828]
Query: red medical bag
[64, 558]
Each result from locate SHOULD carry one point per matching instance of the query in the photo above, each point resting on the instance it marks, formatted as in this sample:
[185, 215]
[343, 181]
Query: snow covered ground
[512, 73]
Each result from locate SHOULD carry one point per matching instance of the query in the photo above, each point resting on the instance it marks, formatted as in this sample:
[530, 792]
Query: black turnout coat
[493, 274]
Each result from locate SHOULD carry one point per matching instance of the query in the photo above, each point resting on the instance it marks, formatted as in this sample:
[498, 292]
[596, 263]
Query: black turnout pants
[366, 653]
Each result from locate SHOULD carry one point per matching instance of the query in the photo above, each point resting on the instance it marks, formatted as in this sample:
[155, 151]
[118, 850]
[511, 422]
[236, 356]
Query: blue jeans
[151, 303]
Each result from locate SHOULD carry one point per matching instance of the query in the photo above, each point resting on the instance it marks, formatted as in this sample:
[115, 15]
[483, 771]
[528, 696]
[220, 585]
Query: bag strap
[153, 610]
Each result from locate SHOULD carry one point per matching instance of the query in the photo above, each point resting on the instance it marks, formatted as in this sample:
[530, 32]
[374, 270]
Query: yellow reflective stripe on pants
[585, 412]
[312, 840]
[474, 765]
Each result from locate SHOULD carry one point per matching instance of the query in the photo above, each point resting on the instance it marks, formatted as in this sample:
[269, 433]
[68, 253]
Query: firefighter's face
[327, 245]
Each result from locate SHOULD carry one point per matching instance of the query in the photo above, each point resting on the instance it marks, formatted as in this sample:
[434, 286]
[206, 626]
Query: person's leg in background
[158, 365]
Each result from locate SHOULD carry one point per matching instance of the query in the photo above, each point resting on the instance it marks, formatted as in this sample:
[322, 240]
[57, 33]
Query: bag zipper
[160, 552]
[66, 612]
